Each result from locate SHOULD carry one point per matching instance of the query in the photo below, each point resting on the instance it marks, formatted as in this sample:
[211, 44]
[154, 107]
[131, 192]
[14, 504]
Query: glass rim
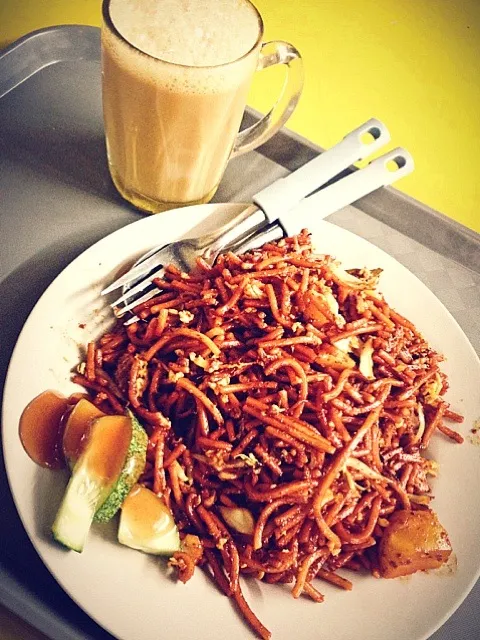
[108, 22]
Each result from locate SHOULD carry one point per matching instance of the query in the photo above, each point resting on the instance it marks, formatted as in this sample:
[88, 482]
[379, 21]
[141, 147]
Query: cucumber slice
[76, 512]
[147, 524]
[94, 476]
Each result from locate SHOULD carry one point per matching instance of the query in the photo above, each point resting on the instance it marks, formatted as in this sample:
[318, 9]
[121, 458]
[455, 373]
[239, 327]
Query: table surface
[410, 64]
[414, 64]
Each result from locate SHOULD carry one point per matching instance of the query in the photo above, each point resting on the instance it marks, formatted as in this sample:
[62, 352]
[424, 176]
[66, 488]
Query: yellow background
[415, 64]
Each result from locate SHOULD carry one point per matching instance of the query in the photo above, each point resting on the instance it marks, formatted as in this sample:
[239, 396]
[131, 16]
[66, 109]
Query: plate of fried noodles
[309, 409]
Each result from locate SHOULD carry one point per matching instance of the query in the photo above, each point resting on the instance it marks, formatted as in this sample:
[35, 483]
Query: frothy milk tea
[176, 74]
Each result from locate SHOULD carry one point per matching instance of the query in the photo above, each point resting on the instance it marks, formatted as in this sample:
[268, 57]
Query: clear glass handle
[272, 53]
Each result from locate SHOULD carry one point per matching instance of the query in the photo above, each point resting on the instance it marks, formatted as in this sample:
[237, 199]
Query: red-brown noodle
[281, 387]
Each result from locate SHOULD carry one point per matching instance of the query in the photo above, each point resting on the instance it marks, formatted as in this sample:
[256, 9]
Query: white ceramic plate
[129, 593]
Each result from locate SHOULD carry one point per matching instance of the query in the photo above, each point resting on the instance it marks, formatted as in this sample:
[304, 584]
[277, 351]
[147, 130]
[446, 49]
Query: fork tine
[134, 274]
[121, 311]
[131, 320]
[138, 288]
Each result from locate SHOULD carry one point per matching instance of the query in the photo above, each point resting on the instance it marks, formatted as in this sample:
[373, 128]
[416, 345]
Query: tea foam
[196, 33]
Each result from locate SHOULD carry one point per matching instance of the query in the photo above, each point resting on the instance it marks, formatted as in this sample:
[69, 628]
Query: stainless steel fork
[269, 205]
[257, 223]
[378, 173]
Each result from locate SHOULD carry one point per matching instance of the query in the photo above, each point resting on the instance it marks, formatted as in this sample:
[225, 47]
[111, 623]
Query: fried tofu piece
[413, 541]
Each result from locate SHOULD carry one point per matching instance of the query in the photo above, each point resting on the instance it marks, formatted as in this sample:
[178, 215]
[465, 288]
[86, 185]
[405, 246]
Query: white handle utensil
[381, 172]
[274, 201]
[285, 193]
[183, 253]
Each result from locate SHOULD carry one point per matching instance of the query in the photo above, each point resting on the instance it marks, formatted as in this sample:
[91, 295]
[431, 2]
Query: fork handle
[377, 174]
[382, 171]
[284, 194]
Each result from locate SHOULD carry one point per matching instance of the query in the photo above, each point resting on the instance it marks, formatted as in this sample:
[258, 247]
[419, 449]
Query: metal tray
[56, 199]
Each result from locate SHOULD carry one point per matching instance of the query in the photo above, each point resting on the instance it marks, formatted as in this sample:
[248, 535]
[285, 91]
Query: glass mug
[172, 111]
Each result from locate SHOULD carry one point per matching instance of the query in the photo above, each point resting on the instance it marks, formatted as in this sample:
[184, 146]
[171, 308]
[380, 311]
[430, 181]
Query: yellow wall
[415, 64]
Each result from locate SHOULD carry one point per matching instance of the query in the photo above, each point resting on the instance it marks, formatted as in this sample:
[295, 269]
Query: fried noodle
[286, 392]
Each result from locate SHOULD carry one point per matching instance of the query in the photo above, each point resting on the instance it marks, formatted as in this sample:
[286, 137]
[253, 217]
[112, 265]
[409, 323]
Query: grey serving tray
[56, 199]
